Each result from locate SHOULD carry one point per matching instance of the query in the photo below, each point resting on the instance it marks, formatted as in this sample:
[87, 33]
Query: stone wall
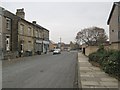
[91, 49]
[115, 46]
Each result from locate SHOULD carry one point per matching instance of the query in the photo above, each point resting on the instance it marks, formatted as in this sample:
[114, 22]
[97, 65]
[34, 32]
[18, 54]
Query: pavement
[93, 77]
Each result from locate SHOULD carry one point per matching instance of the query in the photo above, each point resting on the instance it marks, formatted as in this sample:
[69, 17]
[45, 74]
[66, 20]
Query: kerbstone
[89, 83]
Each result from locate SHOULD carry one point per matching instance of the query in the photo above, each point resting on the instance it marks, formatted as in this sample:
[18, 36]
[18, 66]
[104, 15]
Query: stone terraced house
[19, 37]
[114, 26]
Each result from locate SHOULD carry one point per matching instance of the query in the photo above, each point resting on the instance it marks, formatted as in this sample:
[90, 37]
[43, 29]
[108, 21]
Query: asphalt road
[43, 71]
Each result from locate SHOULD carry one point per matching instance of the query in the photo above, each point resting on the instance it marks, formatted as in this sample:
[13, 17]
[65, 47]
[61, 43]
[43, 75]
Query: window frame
[119, 35]
[21, 31]
[29, 31]
[8, 24]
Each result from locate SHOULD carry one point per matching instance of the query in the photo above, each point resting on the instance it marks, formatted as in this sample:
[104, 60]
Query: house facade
[8, 21]
[25, 46]
[19, 37]
[25, 38]
[114, 26]
[33, 39]
[38, 38]
[45, 40]
[52, 46]
[1, 33]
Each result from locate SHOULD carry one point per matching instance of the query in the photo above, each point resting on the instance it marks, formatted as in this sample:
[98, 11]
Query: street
[41, 71]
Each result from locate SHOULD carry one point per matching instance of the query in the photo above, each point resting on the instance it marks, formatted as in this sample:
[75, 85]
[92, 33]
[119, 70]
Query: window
[118, 35]
[29, 45]
[36, 33]
[29, 41]
[21, 29]
[29, 31]
[118, 19]
[39, 34]
[8, 23]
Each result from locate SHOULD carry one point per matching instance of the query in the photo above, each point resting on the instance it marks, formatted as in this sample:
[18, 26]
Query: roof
[6, 11]
[26, 21]
[113, 7]
[40, 27]
[52, 42]
[34, 24]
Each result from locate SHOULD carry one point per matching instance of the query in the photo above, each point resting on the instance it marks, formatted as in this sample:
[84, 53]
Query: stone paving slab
[109, 79]
[90, 83]
[99, 88]
[108, 84]
[93, 77]
[84, 64]
[90, 79]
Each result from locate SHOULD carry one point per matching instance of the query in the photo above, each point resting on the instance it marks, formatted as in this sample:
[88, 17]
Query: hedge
[108, 60]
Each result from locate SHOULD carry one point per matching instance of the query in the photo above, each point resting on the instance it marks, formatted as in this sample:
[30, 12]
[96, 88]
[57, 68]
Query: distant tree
[91, 36]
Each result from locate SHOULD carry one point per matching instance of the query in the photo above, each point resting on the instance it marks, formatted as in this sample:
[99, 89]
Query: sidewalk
[93, 77]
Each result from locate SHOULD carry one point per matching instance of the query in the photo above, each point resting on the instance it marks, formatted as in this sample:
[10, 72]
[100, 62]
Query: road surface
[41, 71]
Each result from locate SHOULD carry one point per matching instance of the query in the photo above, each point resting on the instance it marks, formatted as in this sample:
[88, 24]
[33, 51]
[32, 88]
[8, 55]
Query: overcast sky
[64, 19]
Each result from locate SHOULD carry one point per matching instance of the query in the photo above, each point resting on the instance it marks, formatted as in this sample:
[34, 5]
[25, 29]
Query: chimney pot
[34, 22]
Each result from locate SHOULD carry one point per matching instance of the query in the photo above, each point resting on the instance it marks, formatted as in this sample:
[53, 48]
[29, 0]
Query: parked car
[57, 51]
[68, 50]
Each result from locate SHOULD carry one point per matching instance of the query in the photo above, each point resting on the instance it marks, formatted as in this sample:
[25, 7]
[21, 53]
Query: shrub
[111, 65]
[109, 60]
[101, 48]
[98, 56]
[93, 57]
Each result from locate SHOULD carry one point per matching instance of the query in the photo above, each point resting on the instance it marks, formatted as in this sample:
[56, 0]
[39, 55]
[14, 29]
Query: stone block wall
[91, 49]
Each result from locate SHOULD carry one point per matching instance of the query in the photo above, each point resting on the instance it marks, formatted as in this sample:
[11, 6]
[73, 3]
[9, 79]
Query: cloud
[64, 19]
[60, 1]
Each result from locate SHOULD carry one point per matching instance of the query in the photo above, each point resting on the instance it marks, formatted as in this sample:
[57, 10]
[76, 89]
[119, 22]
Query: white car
[57, 51]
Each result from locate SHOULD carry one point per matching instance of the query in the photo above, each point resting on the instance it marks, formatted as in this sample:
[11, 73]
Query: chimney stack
[20, 13]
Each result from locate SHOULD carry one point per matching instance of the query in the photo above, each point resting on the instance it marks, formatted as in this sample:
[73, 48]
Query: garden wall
[91, 49]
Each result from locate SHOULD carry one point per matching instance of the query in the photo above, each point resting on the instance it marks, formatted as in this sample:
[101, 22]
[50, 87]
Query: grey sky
[64, 19]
